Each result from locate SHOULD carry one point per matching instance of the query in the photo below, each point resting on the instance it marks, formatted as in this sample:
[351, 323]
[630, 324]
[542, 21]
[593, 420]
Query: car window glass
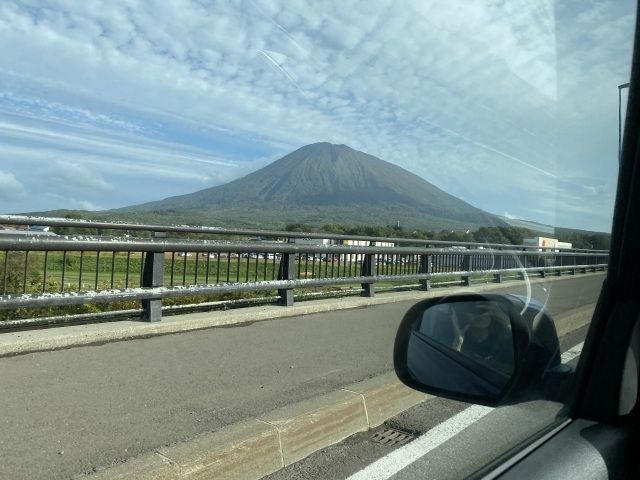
[471, 146]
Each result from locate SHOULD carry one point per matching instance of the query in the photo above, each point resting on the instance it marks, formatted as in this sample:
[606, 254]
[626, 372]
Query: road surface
[74, 411]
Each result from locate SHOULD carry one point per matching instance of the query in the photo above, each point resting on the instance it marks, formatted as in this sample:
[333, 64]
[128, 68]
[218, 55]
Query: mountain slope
[325, 183]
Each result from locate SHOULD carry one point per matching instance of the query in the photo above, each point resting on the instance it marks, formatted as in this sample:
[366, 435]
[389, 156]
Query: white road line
[395, 461]
[402, 457]
[572, 353]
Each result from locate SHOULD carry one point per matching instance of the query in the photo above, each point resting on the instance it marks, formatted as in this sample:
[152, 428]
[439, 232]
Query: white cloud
[73, 175]
[11, 190]
[443, 89]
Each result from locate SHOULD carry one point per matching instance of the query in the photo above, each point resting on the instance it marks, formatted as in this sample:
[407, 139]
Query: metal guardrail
[20, 220]
[39, 272]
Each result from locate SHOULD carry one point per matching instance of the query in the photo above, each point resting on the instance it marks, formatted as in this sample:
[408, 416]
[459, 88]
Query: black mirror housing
[486, 349]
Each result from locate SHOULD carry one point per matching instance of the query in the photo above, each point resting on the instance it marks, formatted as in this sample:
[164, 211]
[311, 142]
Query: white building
[546, 242]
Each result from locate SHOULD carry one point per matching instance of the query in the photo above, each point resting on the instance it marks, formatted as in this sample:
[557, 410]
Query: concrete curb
[16, 343]
[259, 447]
[255, 448]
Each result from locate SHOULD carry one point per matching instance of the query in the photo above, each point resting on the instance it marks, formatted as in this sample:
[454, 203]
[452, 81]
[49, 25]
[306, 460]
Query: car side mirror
[487, 349]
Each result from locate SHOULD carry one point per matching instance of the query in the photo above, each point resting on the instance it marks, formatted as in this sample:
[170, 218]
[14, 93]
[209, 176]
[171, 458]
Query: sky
[510, 105]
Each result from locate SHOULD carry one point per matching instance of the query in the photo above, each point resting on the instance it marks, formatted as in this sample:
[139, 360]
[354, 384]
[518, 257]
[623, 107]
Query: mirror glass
[463, 347]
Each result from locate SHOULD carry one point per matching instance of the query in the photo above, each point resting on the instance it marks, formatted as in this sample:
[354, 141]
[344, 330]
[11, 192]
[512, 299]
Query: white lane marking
[393, 462]
[572, 353]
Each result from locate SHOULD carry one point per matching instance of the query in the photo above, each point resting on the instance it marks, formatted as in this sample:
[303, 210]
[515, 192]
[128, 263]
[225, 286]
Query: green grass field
[89, 272]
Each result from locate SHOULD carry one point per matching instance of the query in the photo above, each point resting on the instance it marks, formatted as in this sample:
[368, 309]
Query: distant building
[352, 257]
[366, 243]
[313, 241]
[362, 243]
[546, 242]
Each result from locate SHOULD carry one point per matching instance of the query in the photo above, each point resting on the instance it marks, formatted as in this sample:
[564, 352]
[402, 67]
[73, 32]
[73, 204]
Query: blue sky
[511, 106]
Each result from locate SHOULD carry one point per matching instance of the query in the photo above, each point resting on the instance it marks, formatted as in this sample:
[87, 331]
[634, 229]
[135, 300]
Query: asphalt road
[74, 411]
[458, 457]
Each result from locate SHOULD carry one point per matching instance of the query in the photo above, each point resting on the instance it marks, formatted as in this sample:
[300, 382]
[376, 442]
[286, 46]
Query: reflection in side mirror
[464, 347]
[469, 342]
[476, 348]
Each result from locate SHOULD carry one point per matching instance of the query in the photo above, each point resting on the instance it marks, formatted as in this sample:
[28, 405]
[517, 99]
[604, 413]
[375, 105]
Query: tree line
[504, 235]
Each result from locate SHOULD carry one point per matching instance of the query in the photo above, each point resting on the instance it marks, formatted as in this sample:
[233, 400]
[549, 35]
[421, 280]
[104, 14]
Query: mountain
[319, 184]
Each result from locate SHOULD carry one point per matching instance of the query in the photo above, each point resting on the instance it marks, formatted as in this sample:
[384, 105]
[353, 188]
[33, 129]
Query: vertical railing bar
[126, 275]
[238, 263]
[266, 266]
[273, 267]
[306, 265]
[173, 266]
[184, 269]
[113, 267]
[313, 266]
[64, 266]
[80, 274]
[26, 266]
[326, 266]
[95, 287]
[248, 265]
[4, 273]
[142, 257]
[44, 278]
[141, 270]
[218, 268]
[206, 277]
[257, 266]
[195, 278]
[339, 257]
[228, 266]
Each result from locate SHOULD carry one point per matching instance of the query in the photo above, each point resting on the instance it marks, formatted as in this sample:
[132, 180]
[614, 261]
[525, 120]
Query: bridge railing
[53, 271]
[92, 227]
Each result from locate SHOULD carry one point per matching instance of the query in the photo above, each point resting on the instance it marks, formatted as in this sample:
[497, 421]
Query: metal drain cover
[391, 437]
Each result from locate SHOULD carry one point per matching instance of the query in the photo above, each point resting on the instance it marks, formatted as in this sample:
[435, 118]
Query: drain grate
[391, 437]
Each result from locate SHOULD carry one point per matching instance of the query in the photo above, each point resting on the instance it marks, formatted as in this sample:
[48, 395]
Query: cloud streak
[477, 98]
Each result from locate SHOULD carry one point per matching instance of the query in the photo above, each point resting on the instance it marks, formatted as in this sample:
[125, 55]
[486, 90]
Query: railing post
[466, 267]
[425, 267]
[497, 277]
[153, 276]
[523, 261]
[287, 272]
[367, 270]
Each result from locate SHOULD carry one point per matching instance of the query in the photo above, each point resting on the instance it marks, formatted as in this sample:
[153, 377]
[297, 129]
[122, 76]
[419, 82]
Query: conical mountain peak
[327, 183]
